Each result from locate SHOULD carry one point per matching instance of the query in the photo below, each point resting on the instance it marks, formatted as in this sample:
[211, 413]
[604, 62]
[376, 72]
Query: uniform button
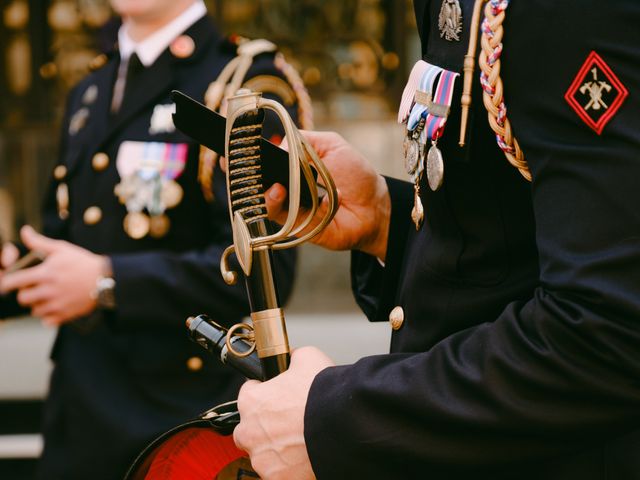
[92, 215]
[194, 364]
[60, 172]
[396, 318]
[100, 161]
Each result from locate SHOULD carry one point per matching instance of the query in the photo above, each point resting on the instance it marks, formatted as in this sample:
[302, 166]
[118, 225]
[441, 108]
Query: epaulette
[290, 90]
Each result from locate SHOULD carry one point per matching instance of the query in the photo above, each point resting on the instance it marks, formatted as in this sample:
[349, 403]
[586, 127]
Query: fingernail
[276, 194]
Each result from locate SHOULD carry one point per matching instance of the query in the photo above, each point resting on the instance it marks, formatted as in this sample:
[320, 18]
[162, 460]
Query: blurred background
[353, 55]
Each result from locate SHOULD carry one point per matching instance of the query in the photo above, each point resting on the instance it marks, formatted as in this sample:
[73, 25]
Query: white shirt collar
[152, 47]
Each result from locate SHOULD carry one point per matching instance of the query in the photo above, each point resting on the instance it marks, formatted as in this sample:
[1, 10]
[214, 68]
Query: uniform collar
[152, 47]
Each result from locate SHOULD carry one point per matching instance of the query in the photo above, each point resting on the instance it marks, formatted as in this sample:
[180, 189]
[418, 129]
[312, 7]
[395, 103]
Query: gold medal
[171, 194]
[435, 167]
[159, 225]
[136, 224]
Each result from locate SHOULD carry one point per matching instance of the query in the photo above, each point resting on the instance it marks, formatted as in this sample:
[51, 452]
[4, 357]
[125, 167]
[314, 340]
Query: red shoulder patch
[596, 94]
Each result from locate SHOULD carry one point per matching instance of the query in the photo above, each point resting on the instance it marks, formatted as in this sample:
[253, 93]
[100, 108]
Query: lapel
[94, 132]
[159, 78]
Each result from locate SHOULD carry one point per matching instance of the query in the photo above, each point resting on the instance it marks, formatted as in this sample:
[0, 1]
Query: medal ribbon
[410, 88]
[434, 124]
[426, 86]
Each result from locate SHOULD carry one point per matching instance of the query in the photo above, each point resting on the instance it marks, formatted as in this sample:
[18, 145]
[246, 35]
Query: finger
[33, 295]
[321, 141]
[223, 164]
[36, 241]
[10, 254]
[22, 279]
[52, 320]
[275, 198]
[47, 311]
[284, 144]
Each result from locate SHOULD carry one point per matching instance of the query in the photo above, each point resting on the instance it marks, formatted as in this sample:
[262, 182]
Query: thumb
[35, 241]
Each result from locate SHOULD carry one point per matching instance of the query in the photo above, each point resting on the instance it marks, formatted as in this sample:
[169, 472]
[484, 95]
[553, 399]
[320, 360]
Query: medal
[171, 193]
[148, 171]
[136, 224]
[412, 156]
[426, 121]
[435, 167]
[159, 225]
[417, 212]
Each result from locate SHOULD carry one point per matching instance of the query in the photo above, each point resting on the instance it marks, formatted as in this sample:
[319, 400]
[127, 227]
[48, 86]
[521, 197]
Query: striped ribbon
[426, 85]
[434, 125]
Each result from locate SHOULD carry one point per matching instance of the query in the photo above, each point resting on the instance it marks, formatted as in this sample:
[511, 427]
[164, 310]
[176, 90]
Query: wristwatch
[105, 294]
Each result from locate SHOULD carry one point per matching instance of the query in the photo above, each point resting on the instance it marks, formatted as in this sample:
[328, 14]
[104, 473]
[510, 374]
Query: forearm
[541, 380]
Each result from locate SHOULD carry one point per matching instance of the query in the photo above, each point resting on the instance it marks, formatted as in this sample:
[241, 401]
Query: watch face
[106, 296]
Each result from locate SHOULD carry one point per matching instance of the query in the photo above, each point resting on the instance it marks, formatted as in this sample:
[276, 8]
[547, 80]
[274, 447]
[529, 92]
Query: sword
[208, 128]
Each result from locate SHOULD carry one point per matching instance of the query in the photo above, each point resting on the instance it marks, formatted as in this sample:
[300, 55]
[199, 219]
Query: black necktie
[123, 85]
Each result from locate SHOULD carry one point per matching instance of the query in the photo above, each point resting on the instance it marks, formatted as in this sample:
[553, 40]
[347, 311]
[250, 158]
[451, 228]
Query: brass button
[396, 318]
[194, 364]
[60, 172]
[100, 161]
[92, 215]
[98, 62]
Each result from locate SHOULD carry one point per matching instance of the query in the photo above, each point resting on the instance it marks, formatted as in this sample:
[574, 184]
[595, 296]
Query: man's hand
[9, 255]
[362, 220]
[271, 428]
[61, 288]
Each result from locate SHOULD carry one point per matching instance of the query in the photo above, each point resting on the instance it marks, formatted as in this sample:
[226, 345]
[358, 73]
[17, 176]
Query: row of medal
[424, 110]
[148, 187]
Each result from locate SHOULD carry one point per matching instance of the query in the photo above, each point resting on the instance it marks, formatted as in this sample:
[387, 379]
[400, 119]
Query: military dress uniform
[515, 306]
[123, 376]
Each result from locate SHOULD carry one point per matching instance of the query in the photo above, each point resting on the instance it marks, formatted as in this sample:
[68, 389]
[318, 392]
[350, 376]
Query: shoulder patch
[596, 93]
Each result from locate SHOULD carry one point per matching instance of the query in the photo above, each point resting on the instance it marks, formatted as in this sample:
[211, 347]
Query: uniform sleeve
[373, 285]
[553, 375]
[52, 224]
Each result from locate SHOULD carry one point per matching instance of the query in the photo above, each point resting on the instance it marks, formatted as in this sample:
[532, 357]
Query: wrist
[104, 292]
[376, 243]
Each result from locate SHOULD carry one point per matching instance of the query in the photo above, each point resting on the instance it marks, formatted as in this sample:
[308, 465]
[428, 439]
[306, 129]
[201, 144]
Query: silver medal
[412, 157]
[435, 168]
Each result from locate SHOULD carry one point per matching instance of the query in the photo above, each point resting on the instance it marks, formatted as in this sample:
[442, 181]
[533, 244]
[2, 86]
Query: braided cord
[493, 90]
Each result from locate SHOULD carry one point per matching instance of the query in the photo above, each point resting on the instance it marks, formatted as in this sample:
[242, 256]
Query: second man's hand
[61, 288]
[271, 428]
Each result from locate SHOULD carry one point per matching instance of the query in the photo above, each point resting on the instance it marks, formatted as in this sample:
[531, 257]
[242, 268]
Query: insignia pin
[182, 47]
[450, 20]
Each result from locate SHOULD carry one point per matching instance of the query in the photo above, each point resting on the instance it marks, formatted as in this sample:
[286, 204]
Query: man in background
[134, 227]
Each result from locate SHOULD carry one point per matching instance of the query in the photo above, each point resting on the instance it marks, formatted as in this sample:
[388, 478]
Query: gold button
[92, 215]
[194, 364]
[60, 172]
[100, 161]
[98, 62]
[396, 318]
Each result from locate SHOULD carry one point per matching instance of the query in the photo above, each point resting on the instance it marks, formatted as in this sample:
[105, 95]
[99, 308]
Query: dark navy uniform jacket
[121, 380]
[519, 355]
